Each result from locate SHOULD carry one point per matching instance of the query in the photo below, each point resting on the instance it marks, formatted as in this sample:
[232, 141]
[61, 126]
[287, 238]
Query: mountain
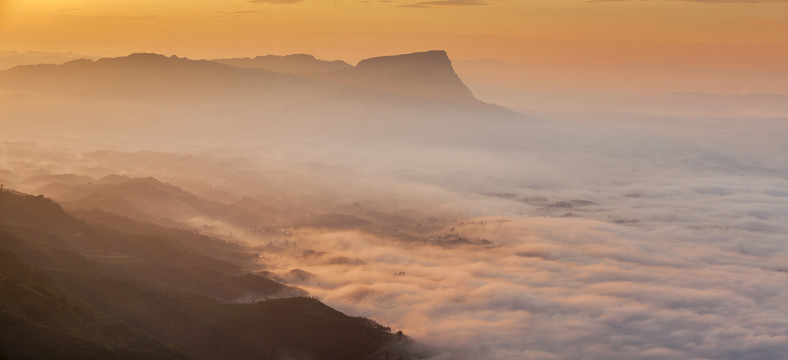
[9, 59]
[154, 98]
[73, 289]
[180, 260]
[144, 206]
[295, 64]
[427, 75]
[145, 199]
[139, 76]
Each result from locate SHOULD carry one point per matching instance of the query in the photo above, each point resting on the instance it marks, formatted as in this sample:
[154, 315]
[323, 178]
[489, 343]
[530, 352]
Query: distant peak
[131, 58]
[143, 58]
[427, 74]
[293, 63]
[432, 57]
[280, 57]
[146, 57]
[78, 62]
[300, 56]
[114, 178]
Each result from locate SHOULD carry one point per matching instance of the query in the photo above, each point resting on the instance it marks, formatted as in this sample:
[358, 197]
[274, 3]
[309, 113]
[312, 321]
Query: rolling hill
[91, 291]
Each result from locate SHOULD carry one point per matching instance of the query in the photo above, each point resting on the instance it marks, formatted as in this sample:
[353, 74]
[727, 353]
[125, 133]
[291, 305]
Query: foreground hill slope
[39, 320]
[62, 284]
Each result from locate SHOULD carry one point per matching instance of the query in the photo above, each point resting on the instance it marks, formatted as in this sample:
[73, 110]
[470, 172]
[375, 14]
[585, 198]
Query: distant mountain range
[413, 96]
[295, 64]
[418, 75]
[9, 59]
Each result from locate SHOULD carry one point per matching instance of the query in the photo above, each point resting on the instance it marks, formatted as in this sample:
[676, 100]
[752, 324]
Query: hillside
[97, 292]
[40, 320]
[145, 199]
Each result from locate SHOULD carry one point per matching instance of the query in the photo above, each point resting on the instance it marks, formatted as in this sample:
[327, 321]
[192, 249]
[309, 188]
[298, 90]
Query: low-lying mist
[648, 234]
[611, 243]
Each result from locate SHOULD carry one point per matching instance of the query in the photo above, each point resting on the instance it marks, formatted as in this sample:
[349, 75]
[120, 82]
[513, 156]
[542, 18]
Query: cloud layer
[642, 240]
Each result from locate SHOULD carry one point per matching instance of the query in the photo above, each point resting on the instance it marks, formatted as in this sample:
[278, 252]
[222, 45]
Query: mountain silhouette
[294, 64]
[428, 75]
[9, 59]
[139, 76]
[411, 97]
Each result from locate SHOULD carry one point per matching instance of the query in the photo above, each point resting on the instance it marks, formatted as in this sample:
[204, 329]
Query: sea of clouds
[693, 280]
[617, 245]
[595, 238]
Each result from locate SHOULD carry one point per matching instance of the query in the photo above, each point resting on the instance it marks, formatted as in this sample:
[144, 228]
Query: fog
[621, 231]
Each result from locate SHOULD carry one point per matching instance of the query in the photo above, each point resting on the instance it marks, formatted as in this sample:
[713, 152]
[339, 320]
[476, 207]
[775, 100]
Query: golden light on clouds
[605, 31]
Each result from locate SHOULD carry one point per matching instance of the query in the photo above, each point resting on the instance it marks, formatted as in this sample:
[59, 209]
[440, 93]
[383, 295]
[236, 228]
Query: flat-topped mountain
[412, 97]
[434, 59]
[426, 74]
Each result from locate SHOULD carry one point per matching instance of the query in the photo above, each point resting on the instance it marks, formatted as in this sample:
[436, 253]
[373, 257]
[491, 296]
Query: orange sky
[732, 34]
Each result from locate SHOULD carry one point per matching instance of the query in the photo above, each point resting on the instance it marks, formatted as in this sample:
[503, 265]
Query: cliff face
[428, 75]
[433, 59]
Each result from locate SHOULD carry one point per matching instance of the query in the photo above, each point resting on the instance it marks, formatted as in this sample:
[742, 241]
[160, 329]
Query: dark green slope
[176, 259]
[138, 284]
[38, 320]
[209, 329]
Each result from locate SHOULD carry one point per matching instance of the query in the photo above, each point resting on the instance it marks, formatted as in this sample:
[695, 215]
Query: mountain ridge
[152, 97]
[293, 63]
[423, 74]
[428, 74]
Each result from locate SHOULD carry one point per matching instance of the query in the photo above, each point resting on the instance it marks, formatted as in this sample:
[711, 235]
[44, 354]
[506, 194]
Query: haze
[495, 179]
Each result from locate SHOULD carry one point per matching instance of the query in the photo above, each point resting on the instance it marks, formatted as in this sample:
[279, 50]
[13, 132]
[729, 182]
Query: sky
[746, 34]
